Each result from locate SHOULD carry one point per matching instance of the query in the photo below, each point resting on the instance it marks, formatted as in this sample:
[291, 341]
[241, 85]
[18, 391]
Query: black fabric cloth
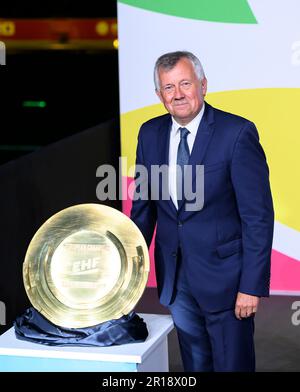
[32, 326]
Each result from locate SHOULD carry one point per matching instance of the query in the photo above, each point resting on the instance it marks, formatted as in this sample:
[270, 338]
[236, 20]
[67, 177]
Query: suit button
[174, 254]
[179, 224]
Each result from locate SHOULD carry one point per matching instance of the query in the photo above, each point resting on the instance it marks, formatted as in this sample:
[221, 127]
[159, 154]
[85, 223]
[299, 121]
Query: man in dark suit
[212, 263]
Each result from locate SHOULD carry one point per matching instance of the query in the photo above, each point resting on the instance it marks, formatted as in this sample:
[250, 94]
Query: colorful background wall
[250, 51]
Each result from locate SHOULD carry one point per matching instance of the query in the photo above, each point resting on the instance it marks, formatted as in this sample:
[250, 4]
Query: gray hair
[168, 61]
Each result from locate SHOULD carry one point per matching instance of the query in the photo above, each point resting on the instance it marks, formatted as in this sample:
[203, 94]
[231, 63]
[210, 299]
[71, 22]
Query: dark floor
[277, 340]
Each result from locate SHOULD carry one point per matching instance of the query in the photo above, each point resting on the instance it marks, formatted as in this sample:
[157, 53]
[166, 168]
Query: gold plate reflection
[87, 264]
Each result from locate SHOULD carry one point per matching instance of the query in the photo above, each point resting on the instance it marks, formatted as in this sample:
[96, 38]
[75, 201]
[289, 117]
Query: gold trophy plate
[87, 264]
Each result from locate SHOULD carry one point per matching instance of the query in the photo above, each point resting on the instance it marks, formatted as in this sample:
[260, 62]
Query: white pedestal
[151, 355]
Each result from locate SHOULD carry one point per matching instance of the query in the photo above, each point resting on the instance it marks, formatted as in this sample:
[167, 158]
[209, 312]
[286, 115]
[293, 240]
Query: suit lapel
[164, 140]
[163, 154]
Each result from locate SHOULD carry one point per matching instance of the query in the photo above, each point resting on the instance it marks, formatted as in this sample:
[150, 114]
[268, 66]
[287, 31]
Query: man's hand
[245, 305]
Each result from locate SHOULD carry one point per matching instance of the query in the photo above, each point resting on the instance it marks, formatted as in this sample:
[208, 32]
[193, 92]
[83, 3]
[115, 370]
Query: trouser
[211, 341]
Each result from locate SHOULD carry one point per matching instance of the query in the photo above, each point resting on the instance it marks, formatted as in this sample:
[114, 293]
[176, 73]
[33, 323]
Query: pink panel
[285, 272]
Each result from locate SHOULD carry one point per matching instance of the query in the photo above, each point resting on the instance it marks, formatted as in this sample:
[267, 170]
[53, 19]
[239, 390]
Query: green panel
[226, 11]
[34, 104]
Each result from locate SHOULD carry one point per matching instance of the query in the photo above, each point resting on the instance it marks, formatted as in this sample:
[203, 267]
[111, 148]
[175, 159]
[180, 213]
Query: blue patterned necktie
[183, 155]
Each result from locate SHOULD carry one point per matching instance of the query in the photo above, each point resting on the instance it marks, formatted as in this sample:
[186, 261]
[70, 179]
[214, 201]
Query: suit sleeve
[143, 212]
[250, 178]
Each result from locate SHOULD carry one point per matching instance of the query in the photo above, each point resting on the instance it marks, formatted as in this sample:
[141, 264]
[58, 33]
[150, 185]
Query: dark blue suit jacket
[226, 246]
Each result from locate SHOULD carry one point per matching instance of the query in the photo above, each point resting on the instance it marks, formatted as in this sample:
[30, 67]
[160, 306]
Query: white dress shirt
[192, 127]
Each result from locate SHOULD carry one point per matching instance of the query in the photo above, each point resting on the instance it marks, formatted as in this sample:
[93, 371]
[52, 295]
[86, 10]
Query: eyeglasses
[170, 88]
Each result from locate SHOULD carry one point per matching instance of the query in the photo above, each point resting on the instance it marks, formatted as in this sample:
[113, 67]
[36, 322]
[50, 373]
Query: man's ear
[204, 86]
[158, 93]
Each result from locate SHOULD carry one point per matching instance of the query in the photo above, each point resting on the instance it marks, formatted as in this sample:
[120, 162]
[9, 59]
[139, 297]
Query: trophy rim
[86, 298]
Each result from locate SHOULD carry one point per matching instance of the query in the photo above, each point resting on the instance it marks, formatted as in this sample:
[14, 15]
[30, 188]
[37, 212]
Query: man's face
[181, 92]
